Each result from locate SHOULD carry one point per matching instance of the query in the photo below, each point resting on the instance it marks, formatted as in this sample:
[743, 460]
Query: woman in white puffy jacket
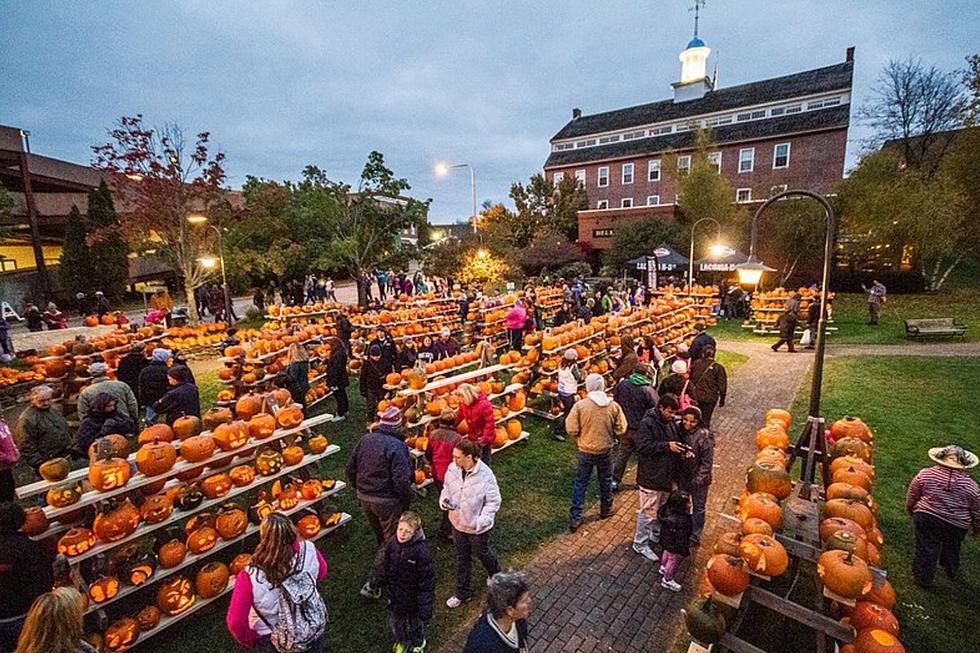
[472, 497]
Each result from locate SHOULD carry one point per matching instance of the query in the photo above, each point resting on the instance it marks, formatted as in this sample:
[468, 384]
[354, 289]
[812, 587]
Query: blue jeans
[602, 462]
[699, 498]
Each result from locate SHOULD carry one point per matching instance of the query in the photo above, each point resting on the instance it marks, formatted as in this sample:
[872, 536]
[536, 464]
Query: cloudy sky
[284, 84]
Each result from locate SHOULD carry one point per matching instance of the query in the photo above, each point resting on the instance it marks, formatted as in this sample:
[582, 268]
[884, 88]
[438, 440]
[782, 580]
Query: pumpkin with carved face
[121, 634]
[189, 497]
[311, 489]
[140, 570]
[239, 562]
[212, 580]
[156, 457]
[76, 542]
[261, 426]
[103, 589]
[268, 461]
[242, 475]
[216, 486]
[109, 473]
[318, 444]
[309, 526]
[292, 455]
[261, 509]
[156, 509]
[231, 436]
[216, 416]
[288, 498]
[290, 416]
[201, 540]
[231, 522]
[175, 596]
[115, 520]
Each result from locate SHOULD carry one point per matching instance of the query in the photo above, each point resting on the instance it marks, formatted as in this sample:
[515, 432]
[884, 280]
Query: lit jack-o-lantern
[268, 461]
[109, 473]
[189, 497]
[231, 522]
[64, 495]
[171, 553]
[212, 580]
[261, 426]
[242, 475]
[121, 634]
[309, 526]
[318, 444]
[115, 520]
[261, 509]
[292, 455]
[329, 483]
[175, 596]
[290, 416]
[288, 498]
[203, 539]
[311, 489]
[141, 570]
[200, 520]
[216, 486]
[76, 542]
[103, 589]
[231, 436]
[156, 509]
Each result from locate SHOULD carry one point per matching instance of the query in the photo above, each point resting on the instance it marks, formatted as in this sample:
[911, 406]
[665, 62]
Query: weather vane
[697, 14]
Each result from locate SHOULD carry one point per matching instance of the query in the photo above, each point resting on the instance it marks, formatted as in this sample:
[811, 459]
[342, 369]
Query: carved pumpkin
[781, 416]
[103, 589]
[850, 509]
[216, 486]
[727, 543]
[318, 444]
[171, 553]
[754, 525]
[763, 554]
[115, 520]
[770, 478]
[197, 448]
[393, 378]
[56, 368]
[311, 489]
[309, 526]
[108, 473]
[290, 416]
[175, 596]
[281, 396]
[156, 457]
[727, 574]
[763, 506]
[201, 540]
[331, 520]
[877, 640]
[248, 406]
[288, 498]
[76, 542]
[242, 475]
[215, 417]
[261, 509]
[64, 495]
[188, 497]
[200, 520]
[35, 521]
[239, 562]
[851, 427]
[851, 447]
[771, 435]
[140, 570]
[155, 432]
[211, 580]
[231, 436]
[231, 522]
[54, 470]
[109, 446]
[416, 379]
[292, 455]
[121, 634]
[842, 540]
[261, 426]
[268, 461]
[844, 574]
[187, 427]
[148, 617]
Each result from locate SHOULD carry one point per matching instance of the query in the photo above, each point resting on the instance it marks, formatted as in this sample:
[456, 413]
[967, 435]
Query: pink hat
[392, 416]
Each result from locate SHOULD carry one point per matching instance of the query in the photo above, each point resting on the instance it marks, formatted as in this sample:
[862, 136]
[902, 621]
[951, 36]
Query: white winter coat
[472, 503]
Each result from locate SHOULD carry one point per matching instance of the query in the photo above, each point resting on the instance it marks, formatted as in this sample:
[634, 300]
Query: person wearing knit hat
[446, 346]
[675, 382]
[944, 502]
[153, 383]
[380, 470]
[125, 398]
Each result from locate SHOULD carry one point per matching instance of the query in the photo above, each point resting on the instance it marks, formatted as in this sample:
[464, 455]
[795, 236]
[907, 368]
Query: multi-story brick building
[788, 131]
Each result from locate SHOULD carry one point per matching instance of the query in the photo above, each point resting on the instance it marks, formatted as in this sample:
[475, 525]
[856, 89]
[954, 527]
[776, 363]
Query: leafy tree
[76, 258]
[481, 267]
[703, 193]
[548, 251]
[162, 178]
[109, 255]
[970, 107]
[640, 238]
[540, 204]
[445, 258]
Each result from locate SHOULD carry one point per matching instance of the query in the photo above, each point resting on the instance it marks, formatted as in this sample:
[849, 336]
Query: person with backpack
[405, 568]
[708, 384]
[275, 606]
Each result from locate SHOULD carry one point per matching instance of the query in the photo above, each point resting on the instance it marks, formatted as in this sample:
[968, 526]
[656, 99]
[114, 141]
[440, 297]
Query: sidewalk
[591, 593]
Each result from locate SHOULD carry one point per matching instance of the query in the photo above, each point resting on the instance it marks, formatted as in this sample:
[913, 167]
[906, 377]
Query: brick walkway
[592, 593]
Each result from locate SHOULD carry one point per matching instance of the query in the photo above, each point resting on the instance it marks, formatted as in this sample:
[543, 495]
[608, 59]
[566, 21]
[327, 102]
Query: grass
[730, 360]
[913, 403]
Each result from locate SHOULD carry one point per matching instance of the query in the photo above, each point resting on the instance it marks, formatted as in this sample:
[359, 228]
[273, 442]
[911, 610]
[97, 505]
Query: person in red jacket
[475, 409]
[442, 440]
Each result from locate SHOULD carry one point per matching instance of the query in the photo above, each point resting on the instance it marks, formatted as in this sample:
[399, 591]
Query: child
[675, 535]
[442, 440]
[568, 378]
[405, 567]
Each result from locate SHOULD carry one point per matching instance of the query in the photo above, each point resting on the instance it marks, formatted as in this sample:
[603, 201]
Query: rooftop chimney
[577, 113]
[849, 54]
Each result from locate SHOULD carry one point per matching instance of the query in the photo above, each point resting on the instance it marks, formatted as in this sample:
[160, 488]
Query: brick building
[783, 132]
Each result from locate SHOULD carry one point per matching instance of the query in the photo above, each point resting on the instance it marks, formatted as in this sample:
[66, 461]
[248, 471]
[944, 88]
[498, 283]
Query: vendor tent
[667, 260]
[724, 263]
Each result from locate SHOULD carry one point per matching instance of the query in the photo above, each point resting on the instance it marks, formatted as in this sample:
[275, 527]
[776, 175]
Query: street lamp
[812, 440]
[208, 262]
[714, 248]
[442, 170]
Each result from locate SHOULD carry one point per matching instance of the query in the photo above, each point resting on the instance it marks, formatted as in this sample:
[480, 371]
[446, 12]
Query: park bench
[938, 326]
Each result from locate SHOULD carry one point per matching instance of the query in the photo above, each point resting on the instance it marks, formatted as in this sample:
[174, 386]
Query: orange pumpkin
[148, 617]
[35, 521]
[216, 486]
[76, 542]
[122, 633]
[231, 436]
[763, 554]
[850, 509]
[212, 580]
[201, 540]
[156, 509]
[871, 615]
[171, 553]
[831, 525]
[292, 455]
[727, 574]
[771, 435]
[187, 427]
[393, 378]
[882, 593]
[727, 543]
[156, 457]
[290, 416]
[844, 462]
[763, 506]
[54, 470]
[851, 427]
[770, 478]
[216, 416]
[248, 406]
[781, 416]
[239, 562]
[318, 444]
[517, 401]
[852, 476]
[311, 489]
[175, 596]
[197, 448]
[847, 491]
[231, 522]
[108, 474]
[876, 640]
[514, 429]
[754, 525]
[160, 432]
[309, 526]
[844, 574]
[242, 475]
[261, 426]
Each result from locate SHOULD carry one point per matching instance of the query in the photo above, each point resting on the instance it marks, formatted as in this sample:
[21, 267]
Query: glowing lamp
[750, 272]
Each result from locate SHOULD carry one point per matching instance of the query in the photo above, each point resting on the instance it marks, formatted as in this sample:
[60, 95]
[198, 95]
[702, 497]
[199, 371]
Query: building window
[653, 200]
[633, 135]
[627, 173]
[778, 188]
[602, 204]
[659, 131]
[580, 177]
[684, 164]
[746, 159]
[608, 139]
[795, 108]
[564, 146]
[751, 115]
[557, 178]
[780, 156]
[586, 143]
[820, 104]
[743, 195]
[715, 158]
[653, 170]
[603, 176]
[626, 203]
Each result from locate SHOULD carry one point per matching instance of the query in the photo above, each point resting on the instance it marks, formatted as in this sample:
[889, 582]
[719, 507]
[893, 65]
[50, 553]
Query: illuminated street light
[481, 253]
[442, 170]
[750, 272]
[718, 250]
[690, 261]
[207, 262]
[197, 218]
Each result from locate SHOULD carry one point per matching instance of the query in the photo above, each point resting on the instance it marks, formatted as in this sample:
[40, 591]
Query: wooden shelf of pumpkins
[767, 306]
[779, 529]
[705, 298]
[286, 313]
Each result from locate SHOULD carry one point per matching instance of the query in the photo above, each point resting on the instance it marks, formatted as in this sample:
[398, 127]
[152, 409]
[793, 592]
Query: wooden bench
[937, 326]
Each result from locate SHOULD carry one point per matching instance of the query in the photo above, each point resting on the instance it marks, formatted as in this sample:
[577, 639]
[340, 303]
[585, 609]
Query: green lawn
[900, 398]
[730, 360]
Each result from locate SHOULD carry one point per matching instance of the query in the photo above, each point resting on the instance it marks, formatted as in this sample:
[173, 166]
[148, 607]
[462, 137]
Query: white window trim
[750, 150]
[580, 176]
[653, 166]
[684, 157]
[789, 147]
[715, 158]
[632, 169]
[657, 203]
[599, 176]
[739, 191]
[601, 205]
[623, 205]
[557, 178]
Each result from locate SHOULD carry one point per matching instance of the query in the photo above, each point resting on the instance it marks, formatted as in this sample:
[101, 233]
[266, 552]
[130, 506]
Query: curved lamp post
[208, 262]
[750, 272]
[442, 169]
[690, 261]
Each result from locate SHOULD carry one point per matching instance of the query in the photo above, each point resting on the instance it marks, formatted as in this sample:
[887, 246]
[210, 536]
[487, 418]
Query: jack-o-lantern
[121, 634]
[332, 519]
[200, 520]
[282, 397]
[216, 486]
[148, 617]
[309, 526]
[76, 542]
[54, 470]
[189, 497]
[318, 444]
[261, 509]
[231, 522]
[231, 436]
[261, 426]
[108, 473]
[201, 540]
[292, 455]
[109, 446]
[212, 580]
[268, 461]
[140, 570]
[242, 475]
[175, 596]
[115, 520]
[248, 406]
[156, 509]
[156, 432]
[311, 489]
[171, 553]
[290, 416]
[197, 448]
[187, 427]
[190, 474]
[103, 589]
[239, 562]
[156, 457]
[64, 495]
[35, 521]
[288, 498]
[216, 416]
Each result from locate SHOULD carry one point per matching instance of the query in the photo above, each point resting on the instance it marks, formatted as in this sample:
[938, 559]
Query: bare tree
[970, 108]
[915, 105]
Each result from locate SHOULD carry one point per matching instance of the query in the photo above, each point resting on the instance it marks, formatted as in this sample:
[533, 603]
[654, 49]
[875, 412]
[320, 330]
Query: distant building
[784, 132]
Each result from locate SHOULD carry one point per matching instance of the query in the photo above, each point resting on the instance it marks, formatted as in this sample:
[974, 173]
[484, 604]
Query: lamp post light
[442, 170]
[713, 249]
[813, 433]
[208, 262]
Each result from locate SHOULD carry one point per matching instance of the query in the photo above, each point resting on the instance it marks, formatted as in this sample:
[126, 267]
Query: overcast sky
[284, 84]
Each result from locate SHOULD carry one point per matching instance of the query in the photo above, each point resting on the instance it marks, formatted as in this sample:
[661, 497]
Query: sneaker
[338, 418]
[454, 602]
[661, 571]
[399, 647]
[671, 585]
[420, 648]
[646, 552]
[368, 592]
[606, 515]
[573, 525]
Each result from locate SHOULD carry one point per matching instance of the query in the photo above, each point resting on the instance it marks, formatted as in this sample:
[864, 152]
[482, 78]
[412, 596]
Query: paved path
[592, 593]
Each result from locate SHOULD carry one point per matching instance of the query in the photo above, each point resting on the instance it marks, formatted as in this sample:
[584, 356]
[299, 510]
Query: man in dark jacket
[635, 395]
[380, 469]
[42, 432]
[130, 367]
[813, 321]
[702, 340]
[372, 381]
[503, 627]
[153, 382]
[337, 378]
[344, 330]
[709, 384]
[182, 399]
[786, 323]
[25, 573]
[659, 447]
